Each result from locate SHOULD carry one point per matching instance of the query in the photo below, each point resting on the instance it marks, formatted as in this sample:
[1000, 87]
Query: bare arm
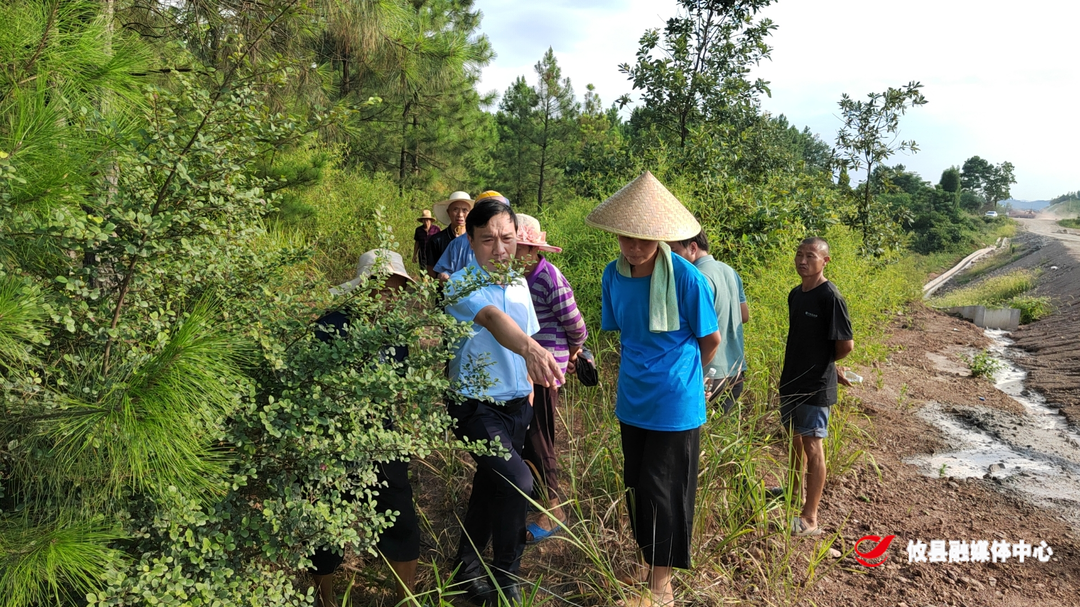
[572, 365]
[745, 309]
[709, 345]
[843, 348]
[541, 364]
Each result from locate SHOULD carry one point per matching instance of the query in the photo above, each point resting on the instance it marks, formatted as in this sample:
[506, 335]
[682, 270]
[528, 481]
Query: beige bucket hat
[440, 207]
[426, 214]
[644, 209]
[375, 261]
[529, 233]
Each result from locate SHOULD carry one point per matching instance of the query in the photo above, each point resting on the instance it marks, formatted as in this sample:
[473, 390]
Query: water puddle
[1035, 453]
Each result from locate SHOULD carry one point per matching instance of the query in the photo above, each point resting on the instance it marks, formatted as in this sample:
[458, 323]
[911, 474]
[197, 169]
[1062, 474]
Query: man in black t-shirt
[819, 334]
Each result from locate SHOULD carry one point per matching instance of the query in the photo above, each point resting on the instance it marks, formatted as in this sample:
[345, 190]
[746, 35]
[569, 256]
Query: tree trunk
[344, 74]
[543, 162]
[416, 149]
[404, 146]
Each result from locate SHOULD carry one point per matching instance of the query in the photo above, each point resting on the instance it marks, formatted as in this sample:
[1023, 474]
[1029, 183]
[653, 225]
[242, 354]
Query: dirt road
[1047, 226]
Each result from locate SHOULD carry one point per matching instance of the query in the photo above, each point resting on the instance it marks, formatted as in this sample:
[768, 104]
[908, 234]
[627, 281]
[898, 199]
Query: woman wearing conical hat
[662, 308]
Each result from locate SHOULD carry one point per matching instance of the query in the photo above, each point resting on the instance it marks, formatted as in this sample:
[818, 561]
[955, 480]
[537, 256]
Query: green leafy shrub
[172, 430]
[1032, 308]
[983, 364]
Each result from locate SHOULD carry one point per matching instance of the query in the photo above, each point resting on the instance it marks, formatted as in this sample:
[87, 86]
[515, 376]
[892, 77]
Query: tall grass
[1008, 290]
[343, 212]
[993, 291]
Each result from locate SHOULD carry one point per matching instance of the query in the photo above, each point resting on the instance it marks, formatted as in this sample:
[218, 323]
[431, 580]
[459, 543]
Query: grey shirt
[727, 295]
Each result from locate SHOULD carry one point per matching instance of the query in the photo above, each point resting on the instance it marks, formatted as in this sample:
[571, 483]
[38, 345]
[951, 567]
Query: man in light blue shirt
[729, 300]
[494, 370]
[458, 254]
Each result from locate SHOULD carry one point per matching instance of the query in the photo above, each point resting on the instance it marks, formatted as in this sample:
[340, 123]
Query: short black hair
[484, 211]
[817, 242]
[701, 240]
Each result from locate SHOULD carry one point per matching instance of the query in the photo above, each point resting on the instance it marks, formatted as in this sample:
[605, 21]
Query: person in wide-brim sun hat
[440, 208]
[662, 308]
[530, 234]
[377, 261]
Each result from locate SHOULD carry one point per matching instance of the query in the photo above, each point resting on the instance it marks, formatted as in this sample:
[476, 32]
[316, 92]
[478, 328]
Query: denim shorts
[803, 419]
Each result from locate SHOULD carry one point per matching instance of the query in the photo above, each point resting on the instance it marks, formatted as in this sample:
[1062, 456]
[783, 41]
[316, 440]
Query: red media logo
[877, 552]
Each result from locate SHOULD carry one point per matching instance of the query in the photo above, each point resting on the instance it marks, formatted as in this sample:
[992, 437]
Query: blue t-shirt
[505, 369]
[457, 255]
[661, 385]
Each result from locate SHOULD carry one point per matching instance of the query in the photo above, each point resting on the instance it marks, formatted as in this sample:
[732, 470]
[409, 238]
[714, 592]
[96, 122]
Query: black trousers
[660, 473]
[497, 505]
[726, 391]
[540, 449]
[399, 542]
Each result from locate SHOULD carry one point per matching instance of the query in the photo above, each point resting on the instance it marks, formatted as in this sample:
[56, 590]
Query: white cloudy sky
[1002, 79]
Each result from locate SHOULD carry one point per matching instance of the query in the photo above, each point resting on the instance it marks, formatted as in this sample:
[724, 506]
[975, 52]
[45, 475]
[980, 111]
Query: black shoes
[512, 594]
[479, 591]
[774, 493]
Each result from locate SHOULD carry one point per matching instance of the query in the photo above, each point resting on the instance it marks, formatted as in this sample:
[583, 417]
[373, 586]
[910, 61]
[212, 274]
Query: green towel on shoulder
[663, 305]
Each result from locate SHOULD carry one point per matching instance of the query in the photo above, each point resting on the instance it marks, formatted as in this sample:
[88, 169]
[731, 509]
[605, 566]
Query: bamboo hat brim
[644, 209]
[440, 208]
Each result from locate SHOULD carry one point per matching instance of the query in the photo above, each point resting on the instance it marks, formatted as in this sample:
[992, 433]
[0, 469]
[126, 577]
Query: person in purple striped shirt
[563, 333]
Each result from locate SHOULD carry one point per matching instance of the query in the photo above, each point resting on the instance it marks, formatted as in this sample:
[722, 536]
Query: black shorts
[660, 473]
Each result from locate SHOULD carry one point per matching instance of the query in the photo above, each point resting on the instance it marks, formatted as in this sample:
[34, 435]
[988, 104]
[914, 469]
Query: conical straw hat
[644, 209]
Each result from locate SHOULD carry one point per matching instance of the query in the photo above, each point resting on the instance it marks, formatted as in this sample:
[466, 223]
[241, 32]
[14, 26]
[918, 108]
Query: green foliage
[1069, 223]
[1066, 197]
[950, 180]
[1032, 308]
[424, 121]
[1007, 290]
[988, 182]
[998, 259]
[868, 139]
[983, 364]
[158, 366]
[343, 213]
[697, 72]
[179, 193]
[61, 561]
[537, 130]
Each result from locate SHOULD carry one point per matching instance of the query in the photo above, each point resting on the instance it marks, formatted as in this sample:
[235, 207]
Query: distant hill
[1069, 207]
[1034, 205]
